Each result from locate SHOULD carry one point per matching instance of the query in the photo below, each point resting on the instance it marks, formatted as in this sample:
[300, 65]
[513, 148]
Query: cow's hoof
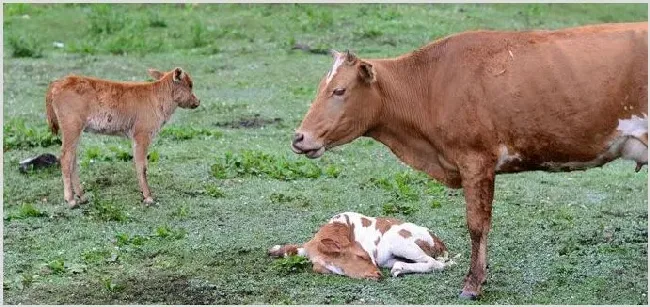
[468, 295]
[73, 204]
[148, 201]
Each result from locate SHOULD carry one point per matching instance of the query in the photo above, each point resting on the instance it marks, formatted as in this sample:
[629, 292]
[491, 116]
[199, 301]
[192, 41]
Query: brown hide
[136, 110]
[472, 105]
[548, 96]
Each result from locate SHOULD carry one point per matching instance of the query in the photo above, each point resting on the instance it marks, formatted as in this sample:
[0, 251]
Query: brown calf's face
[346, 107]
[338, 254]
[181, 87]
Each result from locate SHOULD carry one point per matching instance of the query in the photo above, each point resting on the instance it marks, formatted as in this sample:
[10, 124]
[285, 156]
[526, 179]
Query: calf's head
[181, 86]
[346, 106]
[335, 249]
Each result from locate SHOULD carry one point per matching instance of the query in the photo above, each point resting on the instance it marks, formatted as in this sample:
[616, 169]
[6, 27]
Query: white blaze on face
[338, 62]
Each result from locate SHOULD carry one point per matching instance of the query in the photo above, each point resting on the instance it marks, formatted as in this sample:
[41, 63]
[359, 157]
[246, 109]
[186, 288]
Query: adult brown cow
[476, 104]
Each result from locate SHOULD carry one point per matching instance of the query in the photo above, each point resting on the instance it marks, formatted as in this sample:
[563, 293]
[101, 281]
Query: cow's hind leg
[76, 182]
[478, 185]
[70, 133]
[423, 263]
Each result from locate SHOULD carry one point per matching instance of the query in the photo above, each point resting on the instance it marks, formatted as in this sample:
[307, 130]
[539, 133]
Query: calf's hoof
[83, 199]
[148, 201]
[468, 295]
[397, 269]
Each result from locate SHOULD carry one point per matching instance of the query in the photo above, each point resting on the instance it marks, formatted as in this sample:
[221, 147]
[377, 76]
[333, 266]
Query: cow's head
[181, 85]
[336, 251]
[347, 105]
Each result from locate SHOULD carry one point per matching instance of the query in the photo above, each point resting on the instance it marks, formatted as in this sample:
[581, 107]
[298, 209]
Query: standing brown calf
[136, 110]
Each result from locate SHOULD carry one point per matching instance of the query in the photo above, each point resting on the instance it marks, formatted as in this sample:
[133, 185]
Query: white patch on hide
[634, 126]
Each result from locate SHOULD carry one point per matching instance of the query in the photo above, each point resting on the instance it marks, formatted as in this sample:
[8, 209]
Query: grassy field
[228, 186]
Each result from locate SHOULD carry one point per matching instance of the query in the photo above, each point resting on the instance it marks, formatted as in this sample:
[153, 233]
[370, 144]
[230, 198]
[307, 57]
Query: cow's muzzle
[303, 144]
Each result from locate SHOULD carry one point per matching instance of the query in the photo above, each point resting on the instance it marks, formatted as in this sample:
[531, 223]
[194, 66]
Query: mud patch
[251, 122]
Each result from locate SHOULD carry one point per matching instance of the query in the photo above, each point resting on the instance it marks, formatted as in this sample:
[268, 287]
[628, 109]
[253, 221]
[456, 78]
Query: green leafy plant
[180, 133]
[166, 232]
[281, 198]
[259, 164]
[26, 211]
[393, 208]
[291, 264]
[25, 47]
[112, 286]
[17, 135]
[106, 210]
[214, 191]
[57, 266]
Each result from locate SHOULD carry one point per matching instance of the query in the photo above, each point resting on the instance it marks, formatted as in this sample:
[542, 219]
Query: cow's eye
[339, 92]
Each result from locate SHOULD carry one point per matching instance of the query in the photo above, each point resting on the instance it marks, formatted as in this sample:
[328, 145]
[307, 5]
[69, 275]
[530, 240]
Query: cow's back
[546, 96]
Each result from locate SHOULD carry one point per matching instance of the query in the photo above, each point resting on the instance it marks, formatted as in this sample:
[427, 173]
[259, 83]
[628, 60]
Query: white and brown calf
[356, 245]
[136, 110]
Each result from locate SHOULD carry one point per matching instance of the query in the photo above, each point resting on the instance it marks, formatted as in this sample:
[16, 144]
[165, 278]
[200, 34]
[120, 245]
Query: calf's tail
[52, 120]
[281, 251]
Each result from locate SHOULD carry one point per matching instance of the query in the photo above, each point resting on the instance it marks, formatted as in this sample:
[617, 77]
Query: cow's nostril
[298, 137]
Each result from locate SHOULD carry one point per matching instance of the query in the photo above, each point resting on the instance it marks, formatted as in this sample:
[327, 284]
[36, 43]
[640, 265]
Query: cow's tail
[52, 120]
[283, 251]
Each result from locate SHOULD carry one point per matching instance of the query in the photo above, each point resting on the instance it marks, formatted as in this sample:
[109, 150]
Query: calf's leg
[140, 145]
[411, 251]
[478, 185]
[76, 182]
[70, 133]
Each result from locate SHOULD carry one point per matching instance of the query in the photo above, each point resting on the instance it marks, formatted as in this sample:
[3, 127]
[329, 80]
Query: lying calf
[136, 110]
[356, 245]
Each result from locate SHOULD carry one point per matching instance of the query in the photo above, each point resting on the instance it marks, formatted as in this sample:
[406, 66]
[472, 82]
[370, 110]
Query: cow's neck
[406, 122]
[165, 104]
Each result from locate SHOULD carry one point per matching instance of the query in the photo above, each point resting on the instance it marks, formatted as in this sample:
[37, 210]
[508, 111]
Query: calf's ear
[155, 74]
[178, 74]
[329, 246]
[367, 72]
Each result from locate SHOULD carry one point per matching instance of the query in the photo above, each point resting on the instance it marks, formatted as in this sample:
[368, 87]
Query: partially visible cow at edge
[136, 110]
[476, 104]
[356, 245]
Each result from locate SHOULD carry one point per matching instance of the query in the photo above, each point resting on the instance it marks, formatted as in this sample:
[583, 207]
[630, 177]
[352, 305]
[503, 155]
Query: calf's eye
[339, 92]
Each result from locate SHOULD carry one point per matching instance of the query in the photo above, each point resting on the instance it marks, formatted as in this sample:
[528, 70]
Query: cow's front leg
[478, 185]
[140, 145]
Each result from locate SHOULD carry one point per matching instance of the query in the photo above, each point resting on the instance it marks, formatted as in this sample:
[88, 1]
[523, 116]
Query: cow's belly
[107, 123]
[629, 141]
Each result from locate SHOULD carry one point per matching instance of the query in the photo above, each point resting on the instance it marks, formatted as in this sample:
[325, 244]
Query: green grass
[566, 238]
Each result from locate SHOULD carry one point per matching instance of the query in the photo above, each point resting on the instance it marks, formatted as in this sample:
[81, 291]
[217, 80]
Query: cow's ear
[350, 58]
[329, 246]
[178, 74]
[367, 72]
[155, 74]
